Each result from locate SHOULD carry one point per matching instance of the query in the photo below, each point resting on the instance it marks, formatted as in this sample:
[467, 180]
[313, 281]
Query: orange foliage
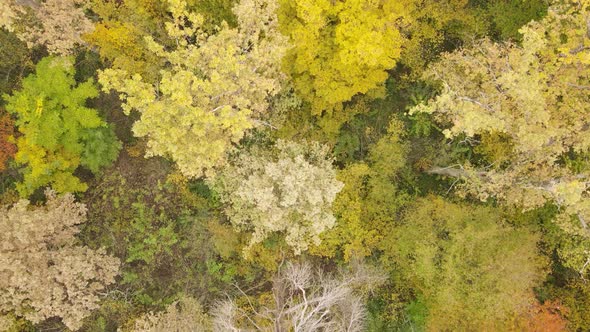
[7, 148]
[547, 317]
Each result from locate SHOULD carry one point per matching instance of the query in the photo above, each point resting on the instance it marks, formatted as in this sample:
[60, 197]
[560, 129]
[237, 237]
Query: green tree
[469, 268]
[144, 223]
[525, 109]
[16, 61]
[340, 48]
[367, 205]
[508, 16]
[59, 133]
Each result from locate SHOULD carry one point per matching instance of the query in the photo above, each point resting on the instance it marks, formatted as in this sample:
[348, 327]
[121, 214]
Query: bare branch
[308, 301]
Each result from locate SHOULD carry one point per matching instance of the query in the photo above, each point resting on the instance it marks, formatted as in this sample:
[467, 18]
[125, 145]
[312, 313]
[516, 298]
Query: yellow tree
[369, 201]
[122, 26]
[526, 108]
[119, 34]
[466, 265]
[212, 88]
[434, 25]
[340, 48]
[186, 314]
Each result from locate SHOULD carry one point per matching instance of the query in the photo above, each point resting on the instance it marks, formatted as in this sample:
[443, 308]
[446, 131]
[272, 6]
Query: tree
[508, 16]
[7, 15]
[215, 11]
[340, 48]
[525, 109]
[211, 90]
[118, 37]
[184, 315]
[16, 62]
[59, 133]
[56, 24]
[367, 205]
[304, 299]
[290, 190]
[7, 148]
[573, 297]
[435, 26]
[469, 268]
[43, 274]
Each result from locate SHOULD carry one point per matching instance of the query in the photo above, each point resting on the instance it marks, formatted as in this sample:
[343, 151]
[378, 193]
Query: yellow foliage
[122, 44]
[529, 105]
[8, 14]
[211, 90]
[184, 315]
[340, 48]
[366, 206]
[429, 24]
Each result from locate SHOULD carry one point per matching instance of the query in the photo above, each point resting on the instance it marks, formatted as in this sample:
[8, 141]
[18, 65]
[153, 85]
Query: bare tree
[305, 299]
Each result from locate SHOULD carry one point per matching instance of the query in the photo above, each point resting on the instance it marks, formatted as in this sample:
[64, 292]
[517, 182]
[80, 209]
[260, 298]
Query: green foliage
[470, 269]
[150, 235]
[574, 293]
[152, 221]
[59, 133]
[100, 147]
[421, 125]
[417, 313]
[207, 87]
[113, 313]
[215, 11]
[141, 223]
[508, 16]
[367, 205]
[15, 62]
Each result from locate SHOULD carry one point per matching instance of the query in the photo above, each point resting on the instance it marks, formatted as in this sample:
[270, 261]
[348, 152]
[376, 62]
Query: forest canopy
[294, 165]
